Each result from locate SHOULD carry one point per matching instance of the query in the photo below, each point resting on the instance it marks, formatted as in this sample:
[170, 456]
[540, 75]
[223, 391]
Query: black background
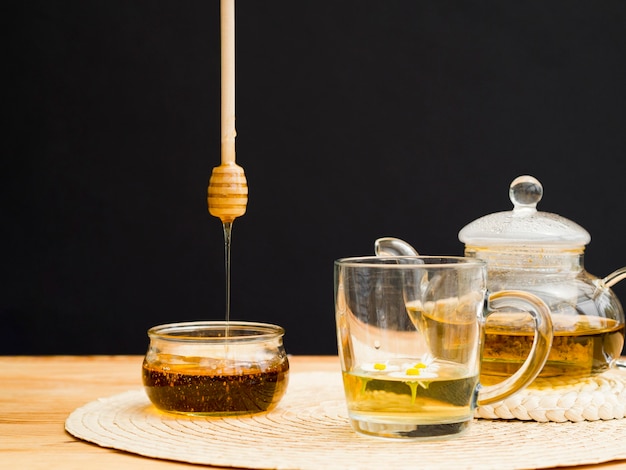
[355, 120]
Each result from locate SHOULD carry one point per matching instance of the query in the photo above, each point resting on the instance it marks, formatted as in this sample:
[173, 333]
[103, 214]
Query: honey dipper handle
[227, 31]
[227, 194]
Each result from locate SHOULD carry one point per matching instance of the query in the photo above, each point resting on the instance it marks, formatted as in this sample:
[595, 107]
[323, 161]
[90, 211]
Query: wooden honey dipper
[227, 194]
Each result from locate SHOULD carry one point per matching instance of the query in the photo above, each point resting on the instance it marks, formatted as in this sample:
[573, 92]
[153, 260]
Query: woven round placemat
[310, 430]
[602, 397]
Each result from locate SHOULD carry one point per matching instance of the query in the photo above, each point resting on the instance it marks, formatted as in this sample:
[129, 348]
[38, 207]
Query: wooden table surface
[37, 393]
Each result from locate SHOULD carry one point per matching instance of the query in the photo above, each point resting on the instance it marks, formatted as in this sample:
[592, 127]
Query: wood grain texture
[38, 393]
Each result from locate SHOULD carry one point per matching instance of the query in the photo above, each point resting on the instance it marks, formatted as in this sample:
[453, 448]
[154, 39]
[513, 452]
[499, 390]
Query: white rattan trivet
[602, 397]
[310, 430]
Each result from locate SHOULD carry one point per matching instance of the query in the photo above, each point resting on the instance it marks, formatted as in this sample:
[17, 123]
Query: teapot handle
[614, 277]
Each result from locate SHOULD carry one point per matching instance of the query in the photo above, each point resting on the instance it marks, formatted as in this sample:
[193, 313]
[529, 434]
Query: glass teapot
[542, 253]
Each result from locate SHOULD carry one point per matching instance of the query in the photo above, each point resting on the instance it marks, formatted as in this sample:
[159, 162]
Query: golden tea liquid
[427, 400]
[583, 345]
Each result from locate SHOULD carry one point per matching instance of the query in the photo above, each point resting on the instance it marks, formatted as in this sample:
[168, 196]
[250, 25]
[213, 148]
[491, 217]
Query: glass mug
[410, 331]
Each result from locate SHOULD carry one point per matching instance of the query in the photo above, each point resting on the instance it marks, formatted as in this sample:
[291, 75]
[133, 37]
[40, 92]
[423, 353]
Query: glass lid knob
[525, 192]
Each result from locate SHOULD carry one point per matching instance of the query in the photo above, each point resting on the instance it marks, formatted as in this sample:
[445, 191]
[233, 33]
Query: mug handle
[539, 351]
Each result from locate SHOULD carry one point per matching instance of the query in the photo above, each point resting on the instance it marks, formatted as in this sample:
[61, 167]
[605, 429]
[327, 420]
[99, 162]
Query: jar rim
[213, 332]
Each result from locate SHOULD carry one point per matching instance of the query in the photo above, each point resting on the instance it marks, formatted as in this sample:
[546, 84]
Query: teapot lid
[524, 225]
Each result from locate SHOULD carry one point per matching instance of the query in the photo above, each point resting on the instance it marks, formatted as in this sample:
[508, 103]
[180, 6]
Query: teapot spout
[390, 246]
[614, 277]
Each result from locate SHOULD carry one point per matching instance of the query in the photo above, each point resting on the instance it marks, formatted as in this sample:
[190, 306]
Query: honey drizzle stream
[228, 228]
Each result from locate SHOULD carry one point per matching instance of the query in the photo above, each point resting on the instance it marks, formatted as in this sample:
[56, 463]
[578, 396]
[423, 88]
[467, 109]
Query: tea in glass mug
[410, 331]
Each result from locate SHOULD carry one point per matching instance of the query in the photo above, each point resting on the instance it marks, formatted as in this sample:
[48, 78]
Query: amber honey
[214, 391]
[215, 368]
